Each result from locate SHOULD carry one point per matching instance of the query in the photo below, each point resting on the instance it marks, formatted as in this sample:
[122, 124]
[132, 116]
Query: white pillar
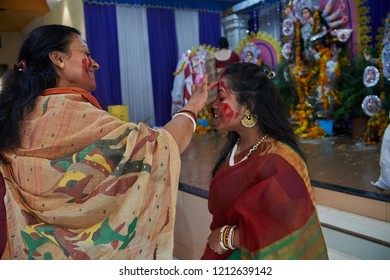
[235, 27]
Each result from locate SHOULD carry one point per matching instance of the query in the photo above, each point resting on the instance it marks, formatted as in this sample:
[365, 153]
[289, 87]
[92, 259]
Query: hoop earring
[249, 120]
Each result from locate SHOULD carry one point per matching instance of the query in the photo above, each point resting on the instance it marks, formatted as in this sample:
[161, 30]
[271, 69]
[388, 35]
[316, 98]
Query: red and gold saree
[85, 185]
[269, 197]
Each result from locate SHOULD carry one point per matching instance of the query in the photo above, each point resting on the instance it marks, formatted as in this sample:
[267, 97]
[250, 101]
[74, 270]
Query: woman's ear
[57, 59]
[251, 105]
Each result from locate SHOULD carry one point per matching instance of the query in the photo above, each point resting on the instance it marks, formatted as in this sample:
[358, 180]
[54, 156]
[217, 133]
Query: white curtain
[136, 80]
[187, 30]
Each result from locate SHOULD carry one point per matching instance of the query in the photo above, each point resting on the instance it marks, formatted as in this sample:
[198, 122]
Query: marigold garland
[303, 117]
[325, 55]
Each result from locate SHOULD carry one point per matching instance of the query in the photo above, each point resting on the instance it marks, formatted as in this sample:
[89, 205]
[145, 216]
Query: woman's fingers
[202, 86]
[210, 86]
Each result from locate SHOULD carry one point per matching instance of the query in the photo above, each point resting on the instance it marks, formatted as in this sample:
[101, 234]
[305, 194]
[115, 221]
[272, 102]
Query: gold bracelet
[222, 237]
[232, 232]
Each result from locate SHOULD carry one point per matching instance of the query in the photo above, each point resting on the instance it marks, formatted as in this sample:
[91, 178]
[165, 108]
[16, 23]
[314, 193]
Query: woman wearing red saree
[80, 183]
[260, 196]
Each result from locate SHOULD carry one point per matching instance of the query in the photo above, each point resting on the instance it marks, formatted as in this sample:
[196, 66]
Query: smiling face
[79, 67]
[227, 112]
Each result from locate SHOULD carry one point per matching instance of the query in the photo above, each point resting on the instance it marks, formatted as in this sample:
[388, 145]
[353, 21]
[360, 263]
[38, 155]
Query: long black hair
[256, 90]
[30, 77]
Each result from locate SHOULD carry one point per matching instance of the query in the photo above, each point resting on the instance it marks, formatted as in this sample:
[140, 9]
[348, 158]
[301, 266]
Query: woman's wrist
[191, 107]
[228, 237]
[188, 114]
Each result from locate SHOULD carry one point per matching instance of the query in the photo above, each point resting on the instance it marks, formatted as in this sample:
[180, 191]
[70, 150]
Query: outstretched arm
[181, 127]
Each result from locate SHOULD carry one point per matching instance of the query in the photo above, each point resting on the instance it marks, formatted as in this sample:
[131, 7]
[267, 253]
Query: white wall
[69, 12]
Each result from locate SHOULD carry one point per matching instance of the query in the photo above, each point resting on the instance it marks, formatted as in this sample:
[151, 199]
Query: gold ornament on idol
[251, 151]
[249, 120]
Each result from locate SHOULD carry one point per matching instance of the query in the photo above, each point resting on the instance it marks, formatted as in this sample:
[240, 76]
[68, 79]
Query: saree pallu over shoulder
[85, 185]
[270, 198]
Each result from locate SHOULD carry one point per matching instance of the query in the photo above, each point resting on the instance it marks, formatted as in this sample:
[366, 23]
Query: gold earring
[249, 120]
[62, 66]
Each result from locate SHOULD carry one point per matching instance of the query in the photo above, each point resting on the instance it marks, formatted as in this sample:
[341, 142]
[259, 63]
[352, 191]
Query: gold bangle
[232, 233]
[222, 237]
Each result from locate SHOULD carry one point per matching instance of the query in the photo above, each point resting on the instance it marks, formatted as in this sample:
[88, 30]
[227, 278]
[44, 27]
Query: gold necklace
[234, 151]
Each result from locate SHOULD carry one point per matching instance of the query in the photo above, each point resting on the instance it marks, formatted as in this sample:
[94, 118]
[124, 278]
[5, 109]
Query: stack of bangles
[189, 114]
[226, 237]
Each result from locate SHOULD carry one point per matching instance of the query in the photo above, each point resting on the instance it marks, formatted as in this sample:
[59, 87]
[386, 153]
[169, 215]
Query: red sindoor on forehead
[224, 86]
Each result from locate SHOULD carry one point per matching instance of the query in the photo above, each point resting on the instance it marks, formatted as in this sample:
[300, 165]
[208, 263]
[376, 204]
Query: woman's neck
[248, 139]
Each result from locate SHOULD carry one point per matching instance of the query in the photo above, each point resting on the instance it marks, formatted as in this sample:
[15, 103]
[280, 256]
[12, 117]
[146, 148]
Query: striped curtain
[135, 66]
[148, 43]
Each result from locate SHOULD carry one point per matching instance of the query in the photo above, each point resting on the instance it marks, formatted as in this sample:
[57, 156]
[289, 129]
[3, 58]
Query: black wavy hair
[33, 75]
[255, 90]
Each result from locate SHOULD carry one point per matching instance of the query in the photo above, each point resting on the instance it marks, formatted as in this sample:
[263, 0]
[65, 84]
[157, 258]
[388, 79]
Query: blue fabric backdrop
[163, 58]
[205, 5]
[209, 28]
[378, 13]
[102, 39]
